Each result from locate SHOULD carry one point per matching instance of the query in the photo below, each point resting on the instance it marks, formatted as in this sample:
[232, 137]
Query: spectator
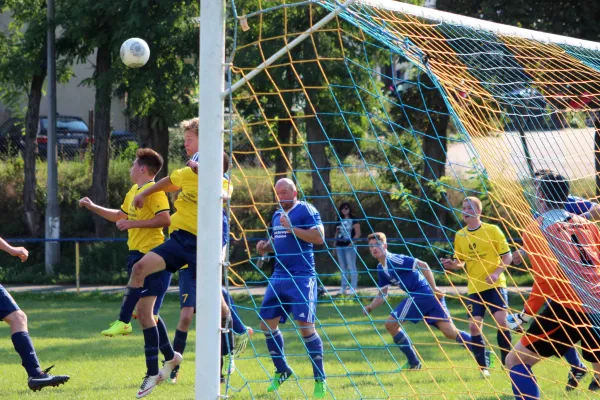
[347, 230]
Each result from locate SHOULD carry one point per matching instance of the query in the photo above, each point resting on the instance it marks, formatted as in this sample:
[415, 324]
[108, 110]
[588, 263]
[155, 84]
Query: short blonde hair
[379, 236]
[474, 201]
[191, 125]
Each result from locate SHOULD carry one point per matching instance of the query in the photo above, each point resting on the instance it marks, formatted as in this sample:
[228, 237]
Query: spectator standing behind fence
[346, 231]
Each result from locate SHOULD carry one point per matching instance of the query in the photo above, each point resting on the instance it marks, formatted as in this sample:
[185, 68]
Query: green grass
[65, 330]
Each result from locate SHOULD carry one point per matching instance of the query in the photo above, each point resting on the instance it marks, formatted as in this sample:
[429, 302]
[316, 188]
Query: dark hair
[554, 188]
[343, 205]
[150, 159]
[225, 162]
[542, 172]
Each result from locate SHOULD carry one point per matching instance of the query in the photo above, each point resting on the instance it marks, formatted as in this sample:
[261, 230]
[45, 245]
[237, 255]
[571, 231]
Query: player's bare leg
[38, 378]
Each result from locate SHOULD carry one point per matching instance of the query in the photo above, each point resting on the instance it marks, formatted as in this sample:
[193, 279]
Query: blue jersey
[577, 205]
[403, 271]
[294, 256]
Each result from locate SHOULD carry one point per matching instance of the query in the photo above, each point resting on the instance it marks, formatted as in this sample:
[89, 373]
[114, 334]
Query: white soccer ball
[135, 52]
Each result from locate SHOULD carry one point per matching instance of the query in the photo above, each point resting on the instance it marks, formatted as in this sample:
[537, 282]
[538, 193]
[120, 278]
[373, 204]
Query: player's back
[186, 205]
[565, 259]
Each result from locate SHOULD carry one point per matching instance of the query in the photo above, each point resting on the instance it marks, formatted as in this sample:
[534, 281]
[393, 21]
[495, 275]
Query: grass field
[65, 329]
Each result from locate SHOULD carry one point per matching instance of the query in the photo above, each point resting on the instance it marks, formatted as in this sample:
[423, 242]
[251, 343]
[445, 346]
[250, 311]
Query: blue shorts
[422, 308]
[286, 295]
[178, 250]
[155, 284]
[7, 304]
[492, 300]
[187, 288]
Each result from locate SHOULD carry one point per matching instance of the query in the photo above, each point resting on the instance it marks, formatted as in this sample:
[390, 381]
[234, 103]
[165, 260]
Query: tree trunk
[154, 133]
[435, 144]
[101, 133]
[31, 214]
[282, 161]
[321, 182]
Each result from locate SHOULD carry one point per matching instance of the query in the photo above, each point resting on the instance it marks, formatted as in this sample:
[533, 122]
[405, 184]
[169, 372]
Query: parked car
[72, 136]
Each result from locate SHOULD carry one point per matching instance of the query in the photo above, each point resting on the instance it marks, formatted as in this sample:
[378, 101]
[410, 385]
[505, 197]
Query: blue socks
[504, 342]
[179, 341]
[478, 349]
[314, 345]
[151, 350]
[275, 347]
[572, 358]
[163, 340]
[24, 346]
[463, 338]
[405, 345]
[524, 384]
[130, 299]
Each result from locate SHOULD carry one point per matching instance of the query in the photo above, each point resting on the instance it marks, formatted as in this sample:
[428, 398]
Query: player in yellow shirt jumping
[144, 227]
[482, 250]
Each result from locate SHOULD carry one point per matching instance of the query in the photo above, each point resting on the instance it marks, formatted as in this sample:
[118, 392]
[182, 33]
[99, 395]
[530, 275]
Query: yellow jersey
[227, 191]
[144, 239]
[186, 205]
[481, 249]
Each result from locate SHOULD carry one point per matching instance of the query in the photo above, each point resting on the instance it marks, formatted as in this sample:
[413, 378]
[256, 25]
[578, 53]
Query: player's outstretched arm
[164, 185]
[160, 220]
[452, 264]
[20, 252]
[377, 301]
[110, 214]
[424, 267]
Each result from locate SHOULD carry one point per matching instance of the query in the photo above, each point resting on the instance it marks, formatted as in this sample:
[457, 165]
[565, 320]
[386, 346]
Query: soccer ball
[135, 52]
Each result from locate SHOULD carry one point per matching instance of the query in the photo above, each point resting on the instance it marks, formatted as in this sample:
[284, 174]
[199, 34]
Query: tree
[574, 18]
[318, 99]
[154, 89]
[23, 63]
[164, 92]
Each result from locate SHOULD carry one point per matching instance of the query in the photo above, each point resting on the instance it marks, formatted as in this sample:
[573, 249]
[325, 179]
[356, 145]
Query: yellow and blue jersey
[144, 239]
[481, 249]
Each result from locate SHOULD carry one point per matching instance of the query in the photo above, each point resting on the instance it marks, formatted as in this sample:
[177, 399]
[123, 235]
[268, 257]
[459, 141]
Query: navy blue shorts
[7, 304]
[286, 295]
[187, 288]
[155, 284]
[178, 250]
[492, 300]
[422, 308]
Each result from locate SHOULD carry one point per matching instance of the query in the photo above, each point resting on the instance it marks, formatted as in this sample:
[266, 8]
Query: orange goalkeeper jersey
[564, 252]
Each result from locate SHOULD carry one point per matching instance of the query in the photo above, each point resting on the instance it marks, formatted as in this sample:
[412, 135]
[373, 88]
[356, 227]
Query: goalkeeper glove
[516, 321]
[241, 341]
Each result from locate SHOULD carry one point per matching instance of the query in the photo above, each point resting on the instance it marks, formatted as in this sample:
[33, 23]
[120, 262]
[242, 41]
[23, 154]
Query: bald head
[285, 182]
[286, 193]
